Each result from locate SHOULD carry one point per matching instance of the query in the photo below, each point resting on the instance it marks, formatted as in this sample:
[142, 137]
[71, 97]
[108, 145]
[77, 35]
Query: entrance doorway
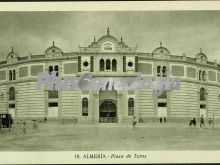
[53, 109]
[108, 112]
[162, 112]
[203, 112]
[11, 110]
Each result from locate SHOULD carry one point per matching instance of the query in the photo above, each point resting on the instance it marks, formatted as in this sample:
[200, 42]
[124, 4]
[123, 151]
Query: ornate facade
[109, 57]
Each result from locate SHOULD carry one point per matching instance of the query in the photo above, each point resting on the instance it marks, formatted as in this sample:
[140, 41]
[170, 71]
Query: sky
[179, 31]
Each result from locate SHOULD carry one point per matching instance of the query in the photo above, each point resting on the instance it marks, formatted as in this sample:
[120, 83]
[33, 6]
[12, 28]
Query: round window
[53, 50]
[130, 64]
[85, 63]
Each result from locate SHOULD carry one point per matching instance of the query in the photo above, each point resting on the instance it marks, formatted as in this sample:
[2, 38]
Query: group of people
[202, 122]
[164, 119]
[35, 125]
[191, 123]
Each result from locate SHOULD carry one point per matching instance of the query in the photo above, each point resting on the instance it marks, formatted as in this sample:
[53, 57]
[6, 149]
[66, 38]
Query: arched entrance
[108, 106]
[108, 111]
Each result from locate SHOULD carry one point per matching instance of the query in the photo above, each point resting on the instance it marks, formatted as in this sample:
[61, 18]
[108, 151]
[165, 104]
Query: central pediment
[107, 43]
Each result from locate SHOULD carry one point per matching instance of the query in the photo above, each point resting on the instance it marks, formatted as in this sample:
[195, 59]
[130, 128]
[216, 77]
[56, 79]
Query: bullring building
[109, 57]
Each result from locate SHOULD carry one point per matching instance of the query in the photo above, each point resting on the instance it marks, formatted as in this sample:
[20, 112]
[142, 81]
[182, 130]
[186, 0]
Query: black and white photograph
[109, 81]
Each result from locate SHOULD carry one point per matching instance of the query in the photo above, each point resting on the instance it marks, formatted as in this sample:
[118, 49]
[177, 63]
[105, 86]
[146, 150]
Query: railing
[117, 49]
[70, 54]
[131, 111]
[37, 56]
[3, 62]
[190, 59]
[22, 58]
[83, 49]
[52, 94]
[211, 63]
[148, 55]
[126, 49]
[176, 57]
[85, 111]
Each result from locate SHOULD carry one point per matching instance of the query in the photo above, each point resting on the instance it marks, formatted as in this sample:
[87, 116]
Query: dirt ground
[109, 137]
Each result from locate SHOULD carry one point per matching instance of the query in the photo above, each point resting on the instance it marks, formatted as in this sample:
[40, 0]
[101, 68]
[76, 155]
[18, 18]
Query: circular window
[85, 64]
[53, 50]
[130, 64]
[161, 51]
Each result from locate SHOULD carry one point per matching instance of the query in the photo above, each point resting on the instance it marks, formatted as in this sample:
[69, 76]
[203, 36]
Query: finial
[200, 50]
[53, 43]
[121, 39]
[94, 39]
[108, 31]
[12, 49]
[161, 44]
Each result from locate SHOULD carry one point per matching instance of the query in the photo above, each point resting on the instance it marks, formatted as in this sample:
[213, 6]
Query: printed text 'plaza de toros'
[109, 57]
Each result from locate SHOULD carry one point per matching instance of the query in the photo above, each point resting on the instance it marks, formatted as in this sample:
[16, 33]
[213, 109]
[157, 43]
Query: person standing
[164, 119]
[45, 119]
[134, 122]
[202, 121]
[161, 120]
[35, 124]
[210, 122]
[24, 128]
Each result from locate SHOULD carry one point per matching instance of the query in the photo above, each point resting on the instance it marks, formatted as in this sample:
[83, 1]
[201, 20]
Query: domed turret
[201, 57]
[161, 52]
[12, 56]
[53, 51]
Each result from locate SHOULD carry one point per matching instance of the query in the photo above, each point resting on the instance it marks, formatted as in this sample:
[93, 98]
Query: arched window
[14, 75]
[50, 69]
[203, 76]
[10, 75]
[56, 68]
[102, 65]
[12, 93]
[84, 107]
[158, 71]
[200, 75]
[130, 107]
[114, 65]
[108, 64]
[164, 71]
[202, 94]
